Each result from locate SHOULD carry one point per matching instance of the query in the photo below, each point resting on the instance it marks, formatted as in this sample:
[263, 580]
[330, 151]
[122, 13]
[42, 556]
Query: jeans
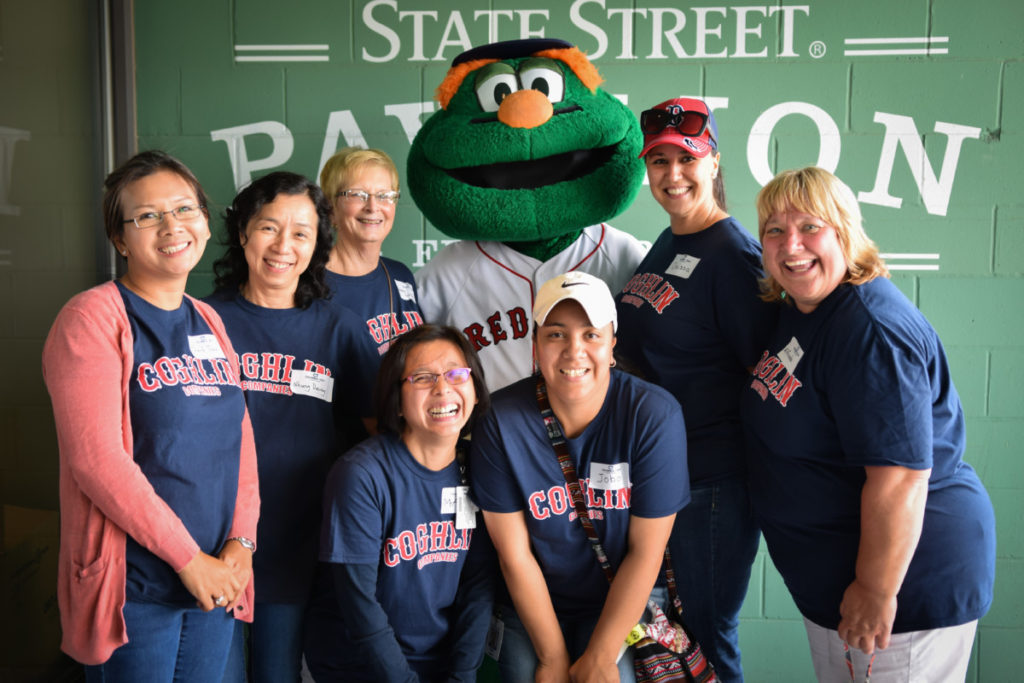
[517, 660]
[713, 544]
[274, 643]
[168, 644]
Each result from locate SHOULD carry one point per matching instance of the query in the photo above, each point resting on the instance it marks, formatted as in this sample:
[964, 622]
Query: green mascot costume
[523, 162]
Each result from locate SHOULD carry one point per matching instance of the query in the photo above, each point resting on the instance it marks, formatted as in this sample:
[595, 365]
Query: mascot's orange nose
[525, 109]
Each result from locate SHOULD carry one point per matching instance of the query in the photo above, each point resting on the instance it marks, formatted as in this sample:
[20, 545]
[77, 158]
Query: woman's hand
[238, 558]
[208, 578]
[891, 515]
[587, 669]
[867, 618]
[552, 672]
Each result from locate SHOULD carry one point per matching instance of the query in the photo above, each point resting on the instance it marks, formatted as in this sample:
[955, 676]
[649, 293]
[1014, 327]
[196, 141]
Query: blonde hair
[817, 192]
[346, 162]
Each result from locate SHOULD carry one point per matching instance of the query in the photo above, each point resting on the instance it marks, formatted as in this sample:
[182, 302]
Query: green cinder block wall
[915, 104]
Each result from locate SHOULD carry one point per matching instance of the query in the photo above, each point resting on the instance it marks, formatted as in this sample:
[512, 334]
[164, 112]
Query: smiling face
[683, 184]
[439, 412]
[164, 254]
[524, 150]
[803, 254]
[358, 223]
[279, 241]
[575, 358]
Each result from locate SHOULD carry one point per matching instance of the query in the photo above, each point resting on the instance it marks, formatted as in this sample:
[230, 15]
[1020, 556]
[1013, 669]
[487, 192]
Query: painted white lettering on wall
[715, 32]
[9, 137]
[409, 115]
[242, 167]
[383, 18]
[900, 132]
[426, 248]
[707, 37]
[340, 124]
[761, 132]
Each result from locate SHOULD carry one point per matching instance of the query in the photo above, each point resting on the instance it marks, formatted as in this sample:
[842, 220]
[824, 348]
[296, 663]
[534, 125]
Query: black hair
[232, 270]
[390, 377]
[139, 166]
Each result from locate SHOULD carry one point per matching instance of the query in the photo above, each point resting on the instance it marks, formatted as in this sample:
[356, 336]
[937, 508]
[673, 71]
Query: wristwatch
[245, 543]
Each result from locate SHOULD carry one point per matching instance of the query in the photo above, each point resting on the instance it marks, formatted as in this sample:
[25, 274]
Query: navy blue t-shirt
[296, 365]
[382, 507]
[636, 446]
[385, 306]
[690, 320]
[186, 414]
[863, 381]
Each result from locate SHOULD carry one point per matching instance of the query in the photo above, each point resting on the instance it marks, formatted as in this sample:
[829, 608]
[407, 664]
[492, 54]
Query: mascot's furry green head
[525, 148]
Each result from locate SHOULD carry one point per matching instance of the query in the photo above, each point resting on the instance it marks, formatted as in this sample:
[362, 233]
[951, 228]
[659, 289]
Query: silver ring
[220, 600]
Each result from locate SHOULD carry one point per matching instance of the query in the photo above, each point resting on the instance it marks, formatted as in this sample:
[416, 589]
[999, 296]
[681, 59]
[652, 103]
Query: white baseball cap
[590, 292]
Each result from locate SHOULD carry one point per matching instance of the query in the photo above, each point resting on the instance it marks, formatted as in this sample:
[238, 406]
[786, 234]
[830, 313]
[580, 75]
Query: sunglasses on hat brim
[689, 123]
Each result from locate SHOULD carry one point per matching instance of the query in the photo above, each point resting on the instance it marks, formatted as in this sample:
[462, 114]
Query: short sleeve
[660, 478]
[746, 321]
[880, 395]
[354, 509]
[490, 470]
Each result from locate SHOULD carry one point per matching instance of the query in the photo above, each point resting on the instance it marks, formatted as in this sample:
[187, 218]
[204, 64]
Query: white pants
[937, 655]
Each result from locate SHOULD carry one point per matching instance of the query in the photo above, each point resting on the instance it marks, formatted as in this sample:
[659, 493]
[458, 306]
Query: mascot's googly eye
[493, 83]
[544, 75]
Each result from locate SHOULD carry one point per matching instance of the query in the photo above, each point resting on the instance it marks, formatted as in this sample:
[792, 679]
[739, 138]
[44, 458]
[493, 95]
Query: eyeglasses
[689, 123]
[427, 380]
[361, 196]
[186, 214]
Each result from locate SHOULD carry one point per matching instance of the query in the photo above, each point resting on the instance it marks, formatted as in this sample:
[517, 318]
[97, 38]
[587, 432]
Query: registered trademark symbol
[817, 49]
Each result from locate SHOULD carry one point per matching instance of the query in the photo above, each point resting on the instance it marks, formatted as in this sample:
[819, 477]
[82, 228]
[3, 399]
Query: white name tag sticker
[455, 500]
[465, 509]
[609, 477]
[791, 354]
[205, 346]
[406, 290]
[683, 265]
[312, 384]
[448, 500]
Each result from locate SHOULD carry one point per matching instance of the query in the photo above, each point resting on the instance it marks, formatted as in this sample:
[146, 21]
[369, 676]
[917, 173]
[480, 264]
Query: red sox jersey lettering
[518, 325]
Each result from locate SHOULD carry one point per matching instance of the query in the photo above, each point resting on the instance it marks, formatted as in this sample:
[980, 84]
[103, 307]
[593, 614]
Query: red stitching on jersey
[592, 251]
[498, 263]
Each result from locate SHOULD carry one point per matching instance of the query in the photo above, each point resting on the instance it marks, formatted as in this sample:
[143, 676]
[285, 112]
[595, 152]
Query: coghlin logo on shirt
[558, 501]
[773, 375]
[275, 373]
[387, 326]
[430, 542]
[195, 376]
[649, 287]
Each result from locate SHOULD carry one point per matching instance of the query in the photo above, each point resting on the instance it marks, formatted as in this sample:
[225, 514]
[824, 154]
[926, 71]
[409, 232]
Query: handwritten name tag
[312, 384]
[205, 346]
[683, 265]
[609, 477]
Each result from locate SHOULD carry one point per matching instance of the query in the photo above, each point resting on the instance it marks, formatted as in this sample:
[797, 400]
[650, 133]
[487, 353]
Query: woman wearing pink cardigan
[158, 491]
